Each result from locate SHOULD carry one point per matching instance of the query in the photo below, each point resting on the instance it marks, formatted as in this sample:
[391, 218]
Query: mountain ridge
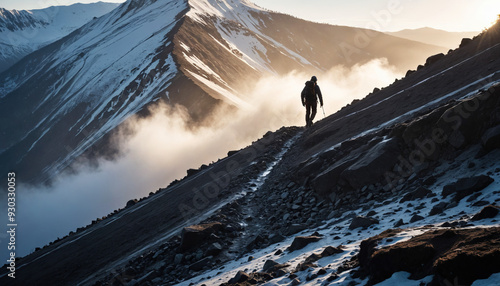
[203, 229]
[446, 39]
[102, 74]
[24, 31]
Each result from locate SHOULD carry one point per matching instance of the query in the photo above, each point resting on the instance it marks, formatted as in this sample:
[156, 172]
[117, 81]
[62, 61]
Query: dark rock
[410, 72]
[231, 153]
[419, 193]
[302, 241]
[416, 218]
[333, 277]
[214, 249]
[269, 264]
[430, 181]
[195, 235]
[330, 250]
[294, 228]
[491, 138]
[322, 271]
[258, 242]
[325, 182]
[433, 59]
[178, 258]
[466, 186]
[131, 203]
[480, 203]
[438, 209]
[371, 213]
[240, 277]
[465, 42]
[487, 212]
[191, 172]
[361, 221]
[463, 255]
[399, 223]
[372, 165]
[199, 265]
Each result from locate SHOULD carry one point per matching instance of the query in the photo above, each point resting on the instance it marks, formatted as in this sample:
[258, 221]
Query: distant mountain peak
[15, 20]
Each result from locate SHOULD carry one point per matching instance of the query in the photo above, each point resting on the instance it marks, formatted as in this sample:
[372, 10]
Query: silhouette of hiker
[309, 97]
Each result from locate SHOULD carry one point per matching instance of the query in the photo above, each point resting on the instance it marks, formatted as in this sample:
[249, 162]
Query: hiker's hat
[313, 78]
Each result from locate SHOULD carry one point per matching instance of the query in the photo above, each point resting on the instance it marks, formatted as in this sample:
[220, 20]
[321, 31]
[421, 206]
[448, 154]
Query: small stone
[416, 218]
[178, 258]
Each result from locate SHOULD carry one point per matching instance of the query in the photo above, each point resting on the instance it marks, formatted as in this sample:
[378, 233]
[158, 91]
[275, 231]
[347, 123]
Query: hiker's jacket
[312, 98]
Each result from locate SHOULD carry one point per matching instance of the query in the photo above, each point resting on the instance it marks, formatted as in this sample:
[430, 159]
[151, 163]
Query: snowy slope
[22, 32]
[100, 75]
[196, 53]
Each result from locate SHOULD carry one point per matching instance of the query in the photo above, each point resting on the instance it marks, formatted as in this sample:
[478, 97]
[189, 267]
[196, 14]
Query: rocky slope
[199, 54]
[399, 187]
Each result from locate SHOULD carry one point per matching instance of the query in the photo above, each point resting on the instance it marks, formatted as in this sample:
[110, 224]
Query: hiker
[309, 97]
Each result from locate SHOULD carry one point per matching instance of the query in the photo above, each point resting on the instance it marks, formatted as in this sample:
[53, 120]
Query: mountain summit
[66, 99]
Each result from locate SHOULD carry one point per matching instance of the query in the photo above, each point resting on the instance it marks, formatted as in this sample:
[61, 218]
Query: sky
[382, 15]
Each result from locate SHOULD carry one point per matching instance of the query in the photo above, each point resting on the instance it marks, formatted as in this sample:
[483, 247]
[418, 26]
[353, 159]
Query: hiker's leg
[314, 108]
[308, 113]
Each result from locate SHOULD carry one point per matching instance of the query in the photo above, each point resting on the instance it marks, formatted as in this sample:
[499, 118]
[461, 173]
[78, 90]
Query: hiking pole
[323, 111]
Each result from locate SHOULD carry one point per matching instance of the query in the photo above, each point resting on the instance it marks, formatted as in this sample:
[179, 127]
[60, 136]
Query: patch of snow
[492, 280]
[402, 279]
[235, 99]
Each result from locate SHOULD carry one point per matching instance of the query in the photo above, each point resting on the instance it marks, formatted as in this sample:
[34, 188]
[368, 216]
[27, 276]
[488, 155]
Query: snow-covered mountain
[399, 188]
[23, 32]
[196, 53]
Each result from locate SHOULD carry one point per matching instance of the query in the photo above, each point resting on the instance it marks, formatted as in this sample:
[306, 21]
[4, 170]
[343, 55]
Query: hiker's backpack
[310, 91]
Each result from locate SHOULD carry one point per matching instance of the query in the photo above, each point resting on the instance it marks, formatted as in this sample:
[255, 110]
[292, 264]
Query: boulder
[409, 72]
[214, 249]
[240, 277]
[462, 123]
[131, 203]
[200, 264]
[373, 164]
[466, 186]
[462, 256]
[438, 208]
[487, 212]
[419, 193]
[361, 221]
[302, 241]
[193, 236]
[269, 264]
[465, 42]
[325, 182]
[433, 59]
[416, 218]
[328, 251]
[491, 138]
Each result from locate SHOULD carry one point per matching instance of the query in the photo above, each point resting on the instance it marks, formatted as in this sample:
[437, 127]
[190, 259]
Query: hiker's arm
[318, 92]
[302, 96]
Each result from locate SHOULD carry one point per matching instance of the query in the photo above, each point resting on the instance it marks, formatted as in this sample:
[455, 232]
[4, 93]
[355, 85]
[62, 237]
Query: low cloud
[162, 148]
